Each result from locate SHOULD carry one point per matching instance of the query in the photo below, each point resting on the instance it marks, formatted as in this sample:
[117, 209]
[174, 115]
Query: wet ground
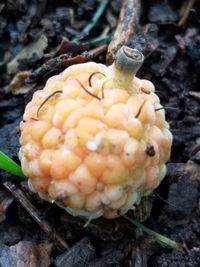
[35, 44]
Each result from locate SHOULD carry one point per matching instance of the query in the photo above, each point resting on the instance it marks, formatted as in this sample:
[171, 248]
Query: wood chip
[25, 254]
[79, 255]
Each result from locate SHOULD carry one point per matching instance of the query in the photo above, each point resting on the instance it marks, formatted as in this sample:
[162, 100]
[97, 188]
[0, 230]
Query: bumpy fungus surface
[95, 140]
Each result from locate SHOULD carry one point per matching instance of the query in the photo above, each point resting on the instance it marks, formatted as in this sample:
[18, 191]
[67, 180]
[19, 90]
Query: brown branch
[95, 52]
[45, 226]
[184, 12]
[195, 95]
[127, 26]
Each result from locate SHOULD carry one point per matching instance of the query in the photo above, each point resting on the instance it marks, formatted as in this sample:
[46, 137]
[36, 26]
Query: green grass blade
[7, 164]
[86, 30]
[101, 40]
[161, 239]
[96, 16]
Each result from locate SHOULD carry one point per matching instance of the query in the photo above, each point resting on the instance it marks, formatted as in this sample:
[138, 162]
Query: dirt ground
[36, 43]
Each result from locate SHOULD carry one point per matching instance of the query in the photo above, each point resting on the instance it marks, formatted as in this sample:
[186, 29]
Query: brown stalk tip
[132, 53]
[128, 59]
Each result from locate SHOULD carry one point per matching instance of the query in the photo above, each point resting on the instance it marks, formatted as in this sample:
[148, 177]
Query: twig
[45, 226]
[185, 10]
[94, 19]
[195, 94]
[97, 51]
[164, 200]
[127, 26]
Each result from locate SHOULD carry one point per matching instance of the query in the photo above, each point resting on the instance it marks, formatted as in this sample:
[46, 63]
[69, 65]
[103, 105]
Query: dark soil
[173, 66]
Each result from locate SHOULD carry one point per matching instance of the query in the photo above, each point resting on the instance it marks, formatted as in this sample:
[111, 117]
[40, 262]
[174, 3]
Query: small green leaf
[161, 239]
[9, 165]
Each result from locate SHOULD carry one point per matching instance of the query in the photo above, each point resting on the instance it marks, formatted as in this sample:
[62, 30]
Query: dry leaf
[18, 85]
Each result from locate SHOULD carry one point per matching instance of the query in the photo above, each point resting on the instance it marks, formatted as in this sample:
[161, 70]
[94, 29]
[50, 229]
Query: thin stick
[87, 90]
[185, 9]
[195, 94]
[164, 200]
[45, 226]
[95, 52]
[126, 28]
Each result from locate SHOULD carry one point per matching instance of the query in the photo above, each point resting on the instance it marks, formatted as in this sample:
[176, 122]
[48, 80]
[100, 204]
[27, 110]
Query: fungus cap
[95, 139]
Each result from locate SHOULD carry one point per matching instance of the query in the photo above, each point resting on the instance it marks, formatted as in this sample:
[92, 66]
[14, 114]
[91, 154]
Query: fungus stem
[126, 64]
